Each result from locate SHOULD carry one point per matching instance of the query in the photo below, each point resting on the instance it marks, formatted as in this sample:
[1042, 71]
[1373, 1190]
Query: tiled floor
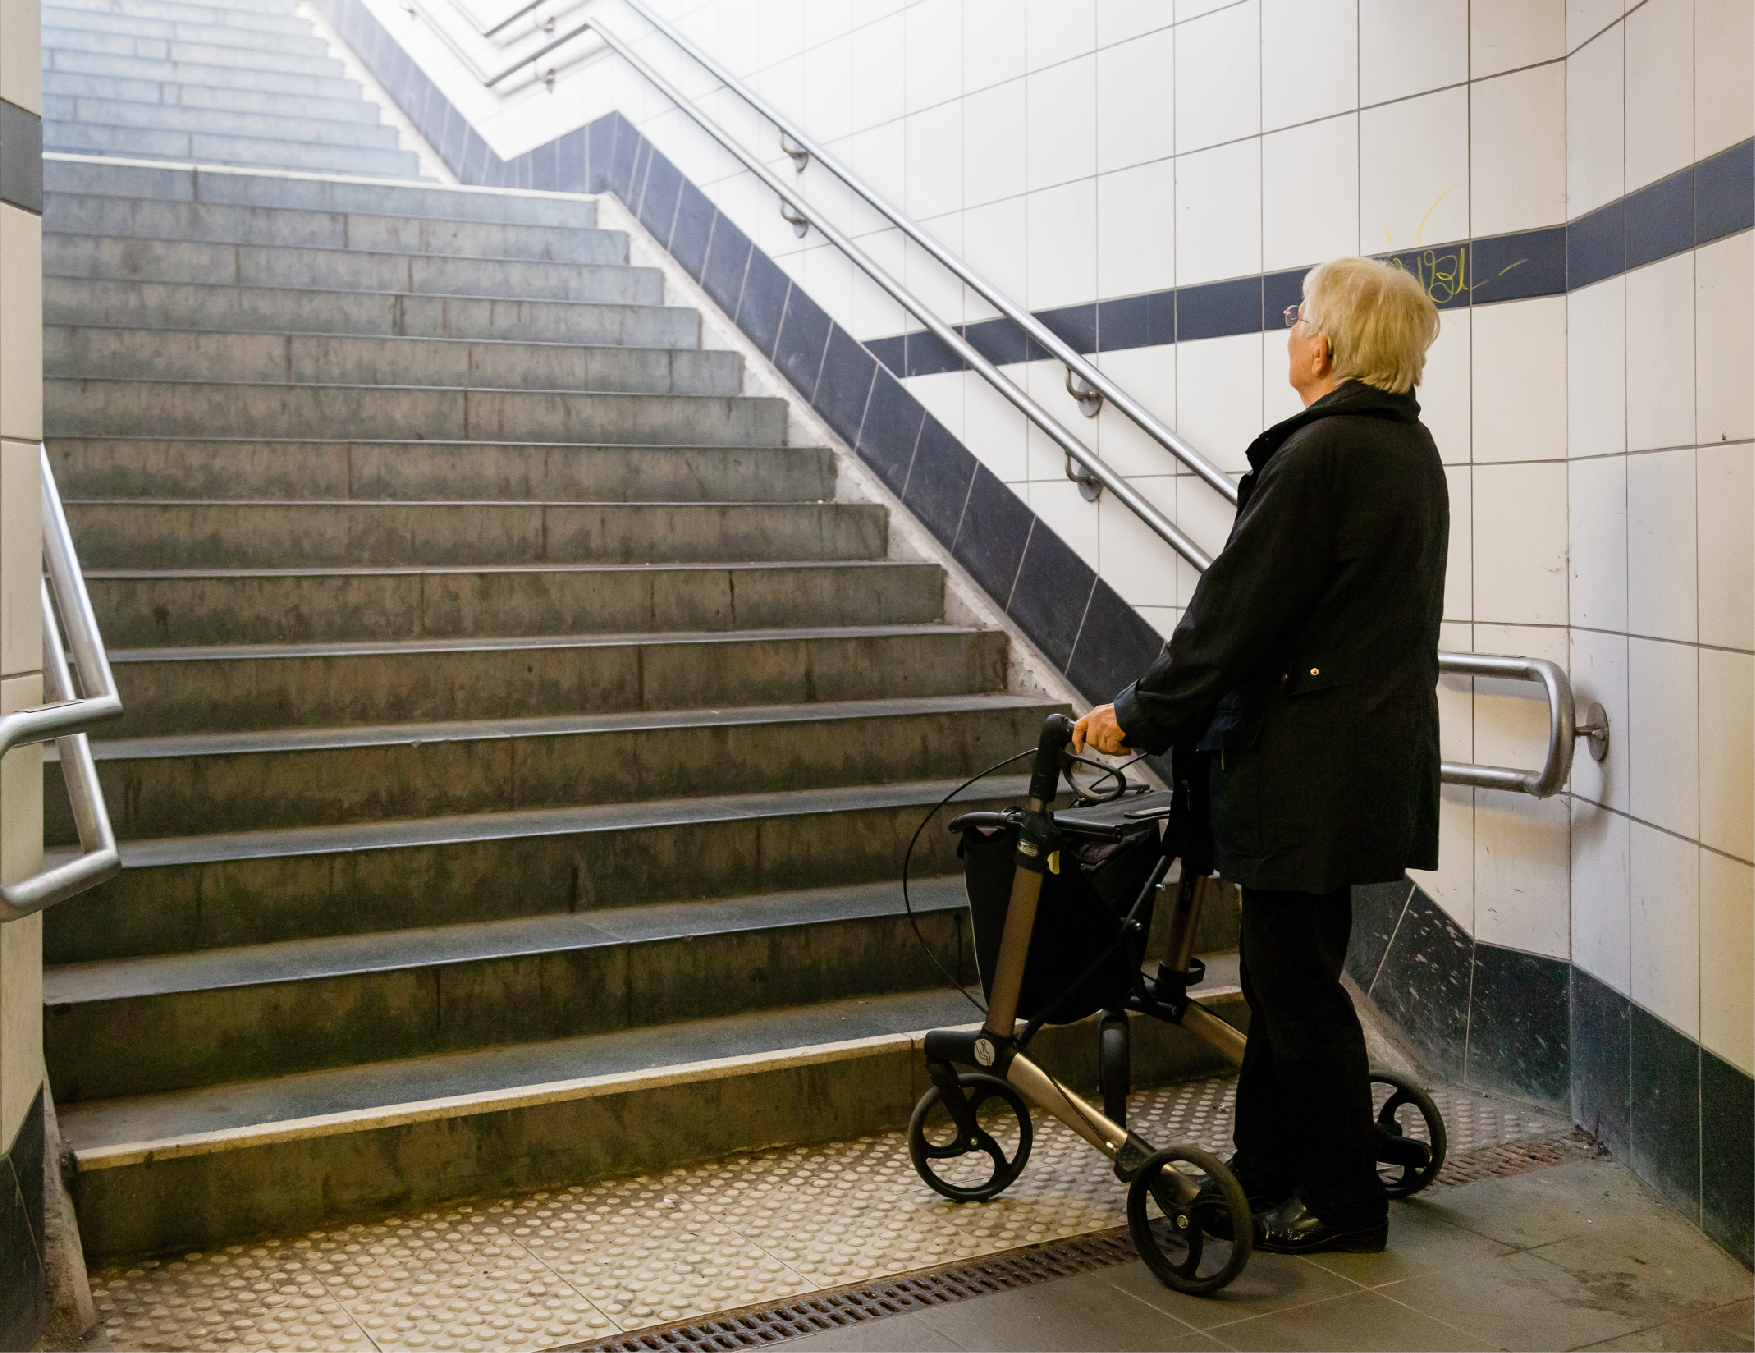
[1572, 1256]
[552, 1268]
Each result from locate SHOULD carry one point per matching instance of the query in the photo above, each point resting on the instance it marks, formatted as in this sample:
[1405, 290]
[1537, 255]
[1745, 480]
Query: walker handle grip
[1057, 731]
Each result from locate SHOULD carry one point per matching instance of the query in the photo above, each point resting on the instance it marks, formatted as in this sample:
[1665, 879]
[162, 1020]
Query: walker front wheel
[971, 1168]
[1114, 1069]
[1411, 1140]
[1166, 1225]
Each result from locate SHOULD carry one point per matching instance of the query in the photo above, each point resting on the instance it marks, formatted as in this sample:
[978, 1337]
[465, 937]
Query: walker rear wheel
[1411, 1140]
[971, 1169]
[1166, 1228]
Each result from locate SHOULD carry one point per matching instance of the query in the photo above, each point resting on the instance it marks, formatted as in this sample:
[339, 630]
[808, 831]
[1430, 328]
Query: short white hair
[1378, 320]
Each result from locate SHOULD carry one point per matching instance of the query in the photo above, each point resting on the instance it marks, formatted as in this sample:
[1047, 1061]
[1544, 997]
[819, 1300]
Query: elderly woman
[1304, 672]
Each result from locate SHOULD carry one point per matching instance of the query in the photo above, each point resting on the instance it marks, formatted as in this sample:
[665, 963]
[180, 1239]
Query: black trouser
[1304, 1096]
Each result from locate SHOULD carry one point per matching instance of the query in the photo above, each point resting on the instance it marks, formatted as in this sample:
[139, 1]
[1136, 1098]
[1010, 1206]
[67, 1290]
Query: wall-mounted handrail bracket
[800, 156]
[1088, 397]
[1090, 487]
[1595, 730]
[790, 214]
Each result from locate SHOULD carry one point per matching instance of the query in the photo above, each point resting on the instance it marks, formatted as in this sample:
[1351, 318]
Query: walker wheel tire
[1411, 1140]
[1114, 1070]
[1167, 1227]
[971, 1169]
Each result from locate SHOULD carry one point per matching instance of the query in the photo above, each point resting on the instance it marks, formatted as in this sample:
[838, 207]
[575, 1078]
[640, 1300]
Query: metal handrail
[1039, 332]
[482, 77]
[1563, 725]
[1166, 529]
[66, 715]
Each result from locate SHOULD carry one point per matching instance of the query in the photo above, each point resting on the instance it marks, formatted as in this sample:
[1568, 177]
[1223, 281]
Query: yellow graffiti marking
[1444, 276]
[1419, 235]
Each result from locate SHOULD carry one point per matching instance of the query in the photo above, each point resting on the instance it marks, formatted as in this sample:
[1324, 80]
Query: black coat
[1307, 661]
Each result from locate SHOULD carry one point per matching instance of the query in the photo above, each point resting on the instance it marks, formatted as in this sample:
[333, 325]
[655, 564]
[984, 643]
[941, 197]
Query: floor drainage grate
[859, 1302]
[1509, 1158]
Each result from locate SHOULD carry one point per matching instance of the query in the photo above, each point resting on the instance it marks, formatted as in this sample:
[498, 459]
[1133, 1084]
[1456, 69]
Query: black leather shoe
[1292, 1228]
[1208, 1208]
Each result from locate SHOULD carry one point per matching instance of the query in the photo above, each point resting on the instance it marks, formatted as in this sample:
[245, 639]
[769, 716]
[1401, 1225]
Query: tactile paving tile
[570, 1265]
[260, 1296]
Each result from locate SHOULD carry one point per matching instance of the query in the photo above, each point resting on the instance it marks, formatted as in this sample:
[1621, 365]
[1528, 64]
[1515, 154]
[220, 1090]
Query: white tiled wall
[1598, 445]
[21, 651]
[1661, 500]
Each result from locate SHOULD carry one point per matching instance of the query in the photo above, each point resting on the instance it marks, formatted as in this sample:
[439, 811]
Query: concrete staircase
[521, 740]
[242, 83]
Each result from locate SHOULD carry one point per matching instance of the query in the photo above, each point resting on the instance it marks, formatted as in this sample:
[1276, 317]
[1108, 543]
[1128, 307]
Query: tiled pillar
[21, 781]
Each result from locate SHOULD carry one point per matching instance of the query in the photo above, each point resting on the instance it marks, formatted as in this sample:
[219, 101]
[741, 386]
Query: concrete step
[210, 148]
[308, 192]
[203, 1167]
[286, 54]
[270, 18]
[142, 608]
[144, 218]
[193, 305]
[186, 894]
[178, 1021]
[119, 258]
[205, 99]
[136, 35]
[153, 34]
[121, 408]
[235, 782]
[122, 533]
[291, 122]
[219, 73]
[234, 688]
[422, 471]
[442, 363]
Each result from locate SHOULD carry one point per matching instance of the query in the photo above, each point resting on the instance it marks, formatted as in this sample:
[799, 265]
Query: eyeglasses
[1292, 315]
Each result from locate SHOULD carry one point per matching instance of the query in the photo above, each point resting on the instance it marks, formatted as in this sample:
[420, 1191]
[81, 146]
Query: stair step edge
[307, 739]
[356, 956]
[416, 833]
[364, 648]
[489, 1101]
[907, 1045]
[414, 570]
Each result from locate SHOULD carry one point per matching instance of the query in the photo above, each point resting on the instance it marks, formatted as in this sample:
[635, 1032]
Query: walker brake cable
[908, 856]
[1089, 797]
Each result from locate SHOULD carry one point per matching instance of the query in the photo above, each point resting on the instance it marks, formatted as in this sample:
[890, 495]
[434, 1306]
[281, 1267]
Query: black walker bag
[1106, 857]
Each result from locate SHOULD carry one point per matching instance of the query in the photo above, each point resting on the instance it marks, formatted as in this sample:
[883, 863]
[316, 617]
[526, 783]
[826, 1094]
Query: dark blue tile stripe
[1660, 219]
[1218, 309]
[1724, 188]
[1596, 246]
[1515, 267]
[1702, 203]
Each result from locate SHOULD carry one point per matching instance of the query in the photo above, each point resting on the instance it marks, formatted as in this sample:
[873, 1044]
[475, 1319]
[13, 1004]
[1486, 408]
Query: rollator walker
[1061, 907]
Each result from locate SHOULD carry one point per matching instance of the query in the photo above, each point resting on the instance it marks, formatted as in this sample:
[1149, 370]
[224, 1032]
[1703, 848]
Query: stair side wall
[24, 1264]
